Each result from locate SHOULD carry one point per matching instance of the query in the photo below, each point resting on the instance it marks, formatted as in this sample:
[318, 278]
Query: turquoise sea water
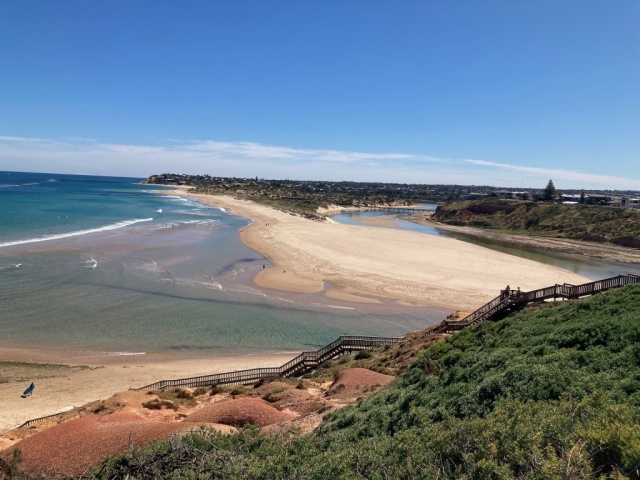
[103, 264]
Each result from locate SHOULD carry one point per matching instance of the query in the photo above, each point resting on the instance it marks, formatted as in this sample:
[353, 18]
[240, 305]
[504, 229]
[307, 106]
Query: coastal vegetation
[302, 198]
[11, 371]
[549, 392]
[578, 222]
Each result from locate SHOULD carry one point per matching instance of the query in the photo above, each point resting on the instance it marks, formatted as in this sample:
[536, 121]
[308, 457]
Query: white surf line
[114, 226]
[331, 306]
[285, 300]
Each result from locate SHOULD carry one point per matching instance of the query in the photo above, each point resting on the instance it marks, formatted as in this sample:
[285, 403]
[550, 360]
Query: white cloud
[248, 159]
[572, 178]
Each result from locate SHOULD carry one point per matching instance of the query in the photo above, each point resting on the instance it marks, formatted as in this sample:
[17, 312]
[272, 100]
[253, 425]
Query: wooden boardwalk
[398, 209]
[297, 366]
[514, 299]
[507, 301]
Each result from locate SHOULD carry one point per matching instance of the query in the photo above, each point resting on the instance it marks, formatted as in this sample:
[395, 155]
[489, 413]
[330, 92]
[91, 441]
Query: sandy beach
[368, 263]
[357, 264]
[66, 389]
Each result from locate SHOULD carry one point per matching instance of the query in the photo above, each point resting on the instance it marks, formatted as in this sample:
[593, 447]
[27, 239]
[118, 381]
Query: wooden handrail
[307, 360]
[506, 301]
[295, 366]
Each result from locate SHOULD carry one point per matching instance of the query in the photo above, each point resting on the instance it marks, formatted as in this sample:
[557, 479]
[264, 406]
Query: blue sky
[493, 92]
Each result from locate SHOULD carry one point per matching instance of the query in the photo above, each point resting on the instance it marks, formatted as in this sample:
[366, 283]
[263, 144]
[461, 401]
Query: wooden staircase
[295, 367]
[508, 300]
[515, 299]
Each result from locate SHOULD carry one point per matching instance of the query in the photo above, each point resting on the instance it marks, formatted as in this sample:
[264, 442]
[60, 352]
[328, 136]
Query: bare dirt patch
[74, 446]
[238, 412]
[285, 396]
[360, 377]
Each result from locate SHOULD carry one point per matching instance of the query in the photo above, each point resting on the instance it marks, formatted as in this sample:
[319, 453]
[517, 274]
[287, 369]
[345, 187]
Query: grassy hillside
[550, 392]
[593, 223]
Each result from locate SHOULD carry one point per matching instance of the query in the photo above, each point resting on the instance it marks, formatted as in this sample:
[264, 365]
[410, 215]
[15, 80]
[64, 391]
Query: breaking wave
[113, 226]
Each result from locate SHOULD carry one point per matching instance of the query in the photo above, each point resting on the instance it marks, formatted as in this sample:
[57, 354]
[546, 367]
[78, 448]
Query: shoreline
[77, 386]
[363, 263]
[575, 248]
[379, 268]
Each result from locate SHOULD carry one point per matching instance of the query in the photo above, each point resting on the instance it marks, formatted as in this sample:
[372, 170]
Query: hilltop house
[510, 195]
[632, 203]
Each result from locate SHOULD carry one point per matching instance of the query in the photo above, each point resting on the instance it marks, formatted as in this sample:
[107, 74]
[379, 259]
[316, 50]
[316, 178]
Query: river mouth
[593, 269]
[77, 281]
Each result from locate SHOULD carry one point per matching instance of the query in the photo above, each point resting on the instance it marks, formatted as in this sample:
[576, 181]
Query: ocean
[105, 265]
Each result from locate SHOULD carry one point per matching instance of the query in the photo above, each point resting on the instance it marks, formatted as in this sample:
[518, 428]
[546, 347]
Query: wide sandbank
[350, 263]
[364, 263]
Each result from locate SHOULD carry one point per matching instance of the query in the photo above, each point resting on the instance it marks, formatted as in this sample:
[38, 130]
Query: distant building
[474, 196]
[598, 199]
[615, 202]
[570, 198]
[510, 195]
[631, 203]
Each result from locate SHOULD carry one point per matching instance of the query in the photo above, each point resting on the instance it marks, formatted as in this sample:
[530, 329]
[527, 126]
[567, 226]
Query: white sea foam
[222, 209]
[113, 226]
[338, 306]
[332, 306]
[195, 212]
[125, 353]
[10, 266]
[8, 186]
[285, 300]
[243, 289]
[198, 283]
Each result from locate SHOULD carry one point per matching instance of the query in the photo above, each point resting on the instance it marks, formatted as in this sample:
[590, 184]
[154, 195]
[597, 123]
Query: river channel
[587, 267]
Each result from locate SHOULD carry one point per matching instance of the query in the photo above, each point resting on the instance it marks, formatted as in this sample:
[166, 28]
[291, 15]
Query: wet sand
[375, 263]
[384, 221]
[356, 264]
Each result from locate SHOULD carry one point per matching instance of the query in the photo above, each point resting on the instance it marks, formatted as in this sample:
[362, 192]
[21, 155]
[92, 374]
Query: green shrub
[238, 390]
[216, 390]
[363, 354]
[200, 391]
[548, 393]
[158, 404]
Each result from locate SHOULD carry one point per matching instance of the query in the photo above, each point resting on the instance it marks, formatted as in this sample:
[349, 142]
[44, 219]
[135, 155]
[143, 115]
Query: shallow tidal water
[106, 266]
